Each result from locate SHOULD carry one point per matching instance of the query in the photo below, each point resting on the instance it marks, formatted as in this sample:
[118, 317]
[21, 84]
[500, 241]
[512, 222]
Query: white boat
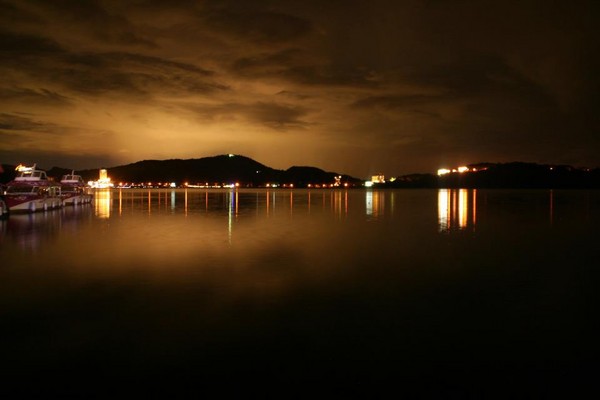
[31, 191]
[74, 190]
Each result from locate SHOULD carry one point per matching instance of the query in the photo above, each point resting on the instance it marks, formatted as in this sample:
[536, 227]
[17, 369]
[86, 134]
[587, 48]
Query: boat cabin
[30, 174]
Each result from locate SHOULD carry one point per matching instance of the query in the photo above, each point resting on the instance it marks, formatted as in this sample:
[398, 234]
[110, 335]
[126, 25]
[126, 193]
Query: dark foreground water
[450, 293]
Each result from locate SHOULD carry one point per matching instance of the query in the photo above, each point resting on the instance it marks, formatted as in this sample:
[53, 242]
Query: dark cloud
[276, 116]
[294, 95]
[330, 76]
[396, 101]
[97, 73]
[95, 18]
[267, 64]
[21, 45]
[12, 122]
[12, 15]
[261, 26]
[294, 66]
[30, 96]
[134, 74]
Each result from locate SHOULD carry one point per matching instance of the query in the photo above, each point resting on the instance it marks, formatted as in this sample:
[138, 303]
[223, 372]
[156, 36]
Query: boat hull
[27, 203]
[76, 198]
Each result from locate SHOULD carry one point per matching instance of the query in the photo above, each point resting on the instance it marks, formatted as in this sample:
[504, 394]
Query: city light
[378, 178]
[103, 182]
[460, 170]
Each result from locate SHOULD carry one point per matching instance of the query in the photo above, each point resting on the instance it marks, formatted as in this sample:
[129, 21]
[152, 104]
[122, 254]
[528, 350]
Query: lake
[445, 293]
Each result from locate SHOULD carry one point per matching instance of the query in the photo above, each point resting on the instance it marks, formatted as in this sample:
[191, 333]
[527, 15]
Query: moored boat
[74, 190]
[31, 191]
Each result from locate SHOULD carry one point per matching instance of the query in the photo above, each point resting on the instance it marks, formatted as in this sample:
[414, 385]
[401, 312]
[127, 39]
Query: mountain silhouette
[220, 169]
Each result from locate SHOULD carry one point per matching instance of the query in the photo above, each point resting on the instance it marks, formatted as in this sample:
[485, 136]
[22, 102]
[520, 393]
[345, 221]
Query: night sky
[355, 87]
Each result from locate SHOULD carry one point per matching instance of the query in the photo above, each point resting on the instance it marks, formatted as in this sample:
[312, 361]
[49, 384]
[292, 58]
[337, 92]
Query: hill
[220, 169]
[515, 175]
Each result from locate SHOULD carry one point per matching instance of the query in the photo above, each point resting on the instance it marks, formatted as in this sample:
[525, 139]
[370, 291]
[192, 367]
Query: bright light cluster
[23, 168]
[460, 170]
[103, 182]
[380, 178]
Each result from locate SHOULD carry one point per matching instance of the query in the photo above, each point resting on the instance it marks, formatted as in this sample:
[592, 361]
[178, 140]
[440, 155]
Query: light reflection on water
[103, 202]
[302, 284]
[375, 203]
[457, 208]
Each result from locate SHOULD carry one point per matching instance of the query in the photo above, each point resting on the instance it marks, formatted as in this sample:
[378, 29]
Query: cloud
[136, 74]
[395, 101]
[277, 116]
[12, 122]
[90, 73]
[258, 26]
[92, 18]
[42, 97]
[15, 46]
[266, 64]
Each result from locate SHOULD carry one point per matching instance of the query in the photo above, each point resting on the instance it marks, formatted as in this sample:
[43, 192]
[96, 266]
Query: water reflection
[457, 209]
[31, 232]
[231, 212]
[375, 203]
[341, 203]
[102, 203]
[25, 229]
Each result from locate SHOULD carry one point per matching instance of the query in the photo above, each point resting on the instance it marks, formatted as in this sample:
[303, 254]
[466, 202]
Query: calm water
[450, 292]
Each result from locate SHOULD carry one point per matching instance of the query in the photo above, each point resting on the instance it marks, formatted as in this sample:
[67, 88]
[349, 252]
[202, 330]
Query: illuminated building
[103, 181]
[378, 178]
